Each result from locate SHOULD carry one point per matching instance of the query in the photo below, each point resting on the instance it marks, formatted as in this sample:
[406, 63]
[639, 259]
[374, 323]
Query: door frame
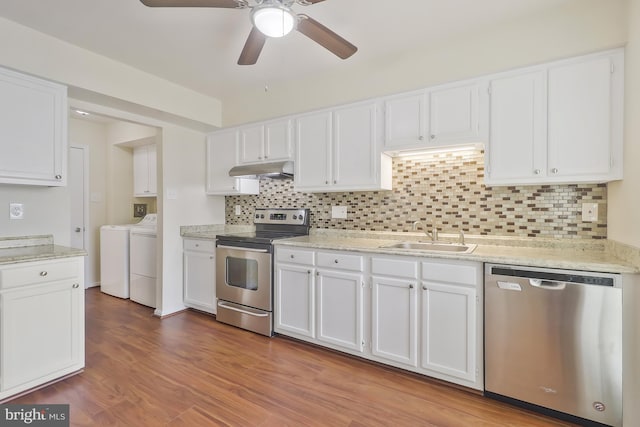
[87, 240]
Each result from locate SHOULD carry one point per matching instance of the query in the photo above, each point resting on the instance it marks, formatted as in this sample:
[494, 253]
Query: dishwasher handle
[551, 285]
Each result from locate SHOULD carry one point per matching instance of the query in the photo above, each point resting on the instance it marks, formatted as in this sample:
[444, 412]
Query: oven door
[243, 276]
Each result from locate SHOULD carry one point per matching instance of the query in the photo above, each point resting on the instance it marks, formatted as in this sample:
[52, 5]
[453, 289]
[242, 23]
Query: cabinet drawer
[394, 267]
[462, 273]
[11, 277]
[199, 245]
[295, 256]
[342, 261]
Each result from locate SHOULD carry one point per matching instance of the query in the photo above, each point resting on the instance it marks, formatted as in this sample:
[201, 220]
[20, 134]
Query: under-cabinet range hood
[275, 170]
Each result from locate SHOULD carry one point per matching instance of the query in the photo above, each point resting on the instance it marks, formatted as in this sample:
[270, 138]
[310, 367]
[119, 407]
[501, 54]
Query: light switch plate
[339, 212]
[16, 211]
[589, 212]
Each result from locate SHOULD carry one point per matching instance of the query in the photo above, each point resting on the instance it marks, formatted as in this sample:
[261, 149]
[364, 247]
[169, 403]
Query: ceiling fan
[271, 18]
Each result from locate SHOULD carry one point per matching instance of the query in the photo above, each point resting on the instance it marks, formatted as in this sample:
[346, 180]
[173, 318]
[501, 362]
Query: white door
[78, 184]
[356, 158]
[455, 114]
[394, 320]
[339, 309]
[313, 141]
[295, 300]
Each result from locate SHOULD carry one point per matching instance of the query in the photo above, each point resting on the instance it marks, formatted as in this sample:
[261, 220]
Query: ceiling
[199, 47]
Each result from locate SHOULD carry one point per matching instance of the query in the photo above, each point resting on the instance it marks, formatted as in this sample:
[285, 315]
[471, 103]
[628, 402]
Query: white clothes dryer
[114, 255]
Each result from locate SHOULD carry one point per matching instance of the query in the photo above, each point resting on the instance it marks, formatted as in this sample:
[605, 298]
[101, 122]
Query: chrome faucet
[434, 231]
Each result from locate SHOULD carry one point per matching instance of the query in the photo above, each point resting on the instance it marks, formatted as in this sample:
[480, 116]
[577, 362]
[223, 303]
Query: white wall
[581, 27]
[182, 154]
[26, 50]
[46, 211]
[93, 135]
[624, 196]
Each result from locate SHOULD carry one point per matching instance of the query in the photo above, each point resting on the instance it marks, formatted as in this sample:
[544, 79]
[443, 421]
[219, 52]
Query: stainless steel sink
[434, 247]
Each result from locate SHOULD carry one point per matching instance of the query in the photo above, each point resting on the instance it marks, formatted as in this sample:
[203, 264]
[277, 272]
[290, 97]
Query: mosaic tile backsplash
[446, 188]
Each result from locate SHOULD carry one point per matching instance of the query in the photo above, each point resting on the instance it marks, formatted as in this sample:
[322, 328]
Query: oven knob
[262, 216]
[257, 215]
[295, 217]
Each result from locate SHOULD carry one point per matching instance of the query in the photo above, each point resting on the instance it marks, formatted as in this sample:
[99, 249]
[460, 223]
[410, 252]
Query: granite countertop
[210, 231]
[33, 248]
[588, 256]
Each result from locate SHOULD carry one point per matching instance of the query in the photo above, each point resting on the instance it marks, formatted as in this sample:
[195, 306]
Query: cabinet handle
[537, 171]
[335, 260]
[58, 176]
[78, 229]
[326, 182]
[76, 286]
[433, 136]
[421, 138]
[308, 271]
[554, 170]
[292, 256]
[424, 288]
[317, 273]
[335, 181]
[43, 273]
[211, 257]
[197, 245]
[410, 286]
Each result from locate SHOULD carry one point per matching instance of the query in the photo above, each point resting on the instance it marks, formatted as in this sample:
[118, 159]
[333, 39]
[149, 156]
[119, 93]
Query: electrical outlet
[16, 211]
[238, 210]
[589, 212]
[339, 212]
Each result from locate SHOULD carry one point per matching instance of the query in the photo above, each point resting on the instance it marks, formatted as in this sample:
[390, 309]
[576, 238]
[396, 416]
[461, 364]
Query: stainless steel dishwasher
[553, 341]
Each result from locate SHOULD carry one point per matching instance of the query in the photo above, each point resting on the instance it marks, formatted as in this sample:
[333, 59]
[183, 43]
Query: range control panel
[282, 216]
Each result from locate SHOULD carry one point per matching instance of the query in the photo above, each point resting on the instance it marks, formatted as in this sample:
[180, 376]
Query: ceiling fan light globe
[273, 20]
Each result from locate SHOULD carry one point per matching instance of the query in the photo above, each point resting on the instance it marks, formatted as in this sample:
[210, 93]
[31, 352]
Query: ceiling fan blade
[308, 2]
[252, 47]
[231, 4]
[325, 37]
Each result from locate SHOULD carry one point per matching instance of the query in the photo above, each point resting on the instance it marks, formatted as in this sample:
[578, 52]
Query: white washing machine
[114, 255]
[142, 266]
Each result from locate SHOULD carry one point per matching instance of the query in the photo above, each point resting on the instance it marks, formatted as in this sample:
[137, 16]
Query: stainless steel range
[244, 268]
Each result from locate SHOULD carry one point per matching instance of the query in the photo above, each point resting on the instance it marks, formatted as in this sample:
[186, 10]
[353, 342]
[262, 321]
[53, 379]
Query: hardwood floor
[189, 370]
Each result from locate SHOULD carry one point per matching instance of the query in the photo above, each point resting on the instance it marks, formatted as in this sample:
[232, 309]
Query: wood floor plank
[189, 370]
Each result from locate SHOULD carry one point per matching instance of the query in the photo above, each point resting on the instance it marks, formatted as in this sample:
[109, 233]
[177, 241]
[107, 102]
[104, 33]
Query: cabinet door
[406, 121]
[144, 171]
[313, 151]
[221, 157]
[355, 160]
[251, 144]
[295, 300]
[200, 280]
[33, 130]
[455, 114]
[394, 320]
[517, 146]
[449, 350]
[339, 309]
[42, 332]
[277, 140]
[580, 112]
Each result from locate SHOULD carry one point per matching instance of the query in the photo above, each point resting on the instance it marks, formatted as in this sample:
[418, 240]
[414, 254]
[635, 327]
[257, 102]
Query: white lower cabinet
[199, 269]
[419, 314]
[41, 323]
[339, 309]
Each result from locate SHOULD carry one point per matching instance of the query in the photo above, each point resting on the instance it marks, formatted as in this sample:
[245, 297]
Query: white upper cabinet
[221, 157]
[518, 147]
[405, 121]
[445, 115]
[582, 114]
[265, 142]
[458, 114]
[145, 171]
[338, 151]
[33, 130]
[557, 123]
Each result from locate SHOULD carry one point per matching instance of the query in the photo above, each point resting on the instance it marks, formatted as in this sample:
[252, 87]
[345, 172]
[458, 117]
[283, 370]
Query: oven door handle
[230, 307]
[237, 248]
